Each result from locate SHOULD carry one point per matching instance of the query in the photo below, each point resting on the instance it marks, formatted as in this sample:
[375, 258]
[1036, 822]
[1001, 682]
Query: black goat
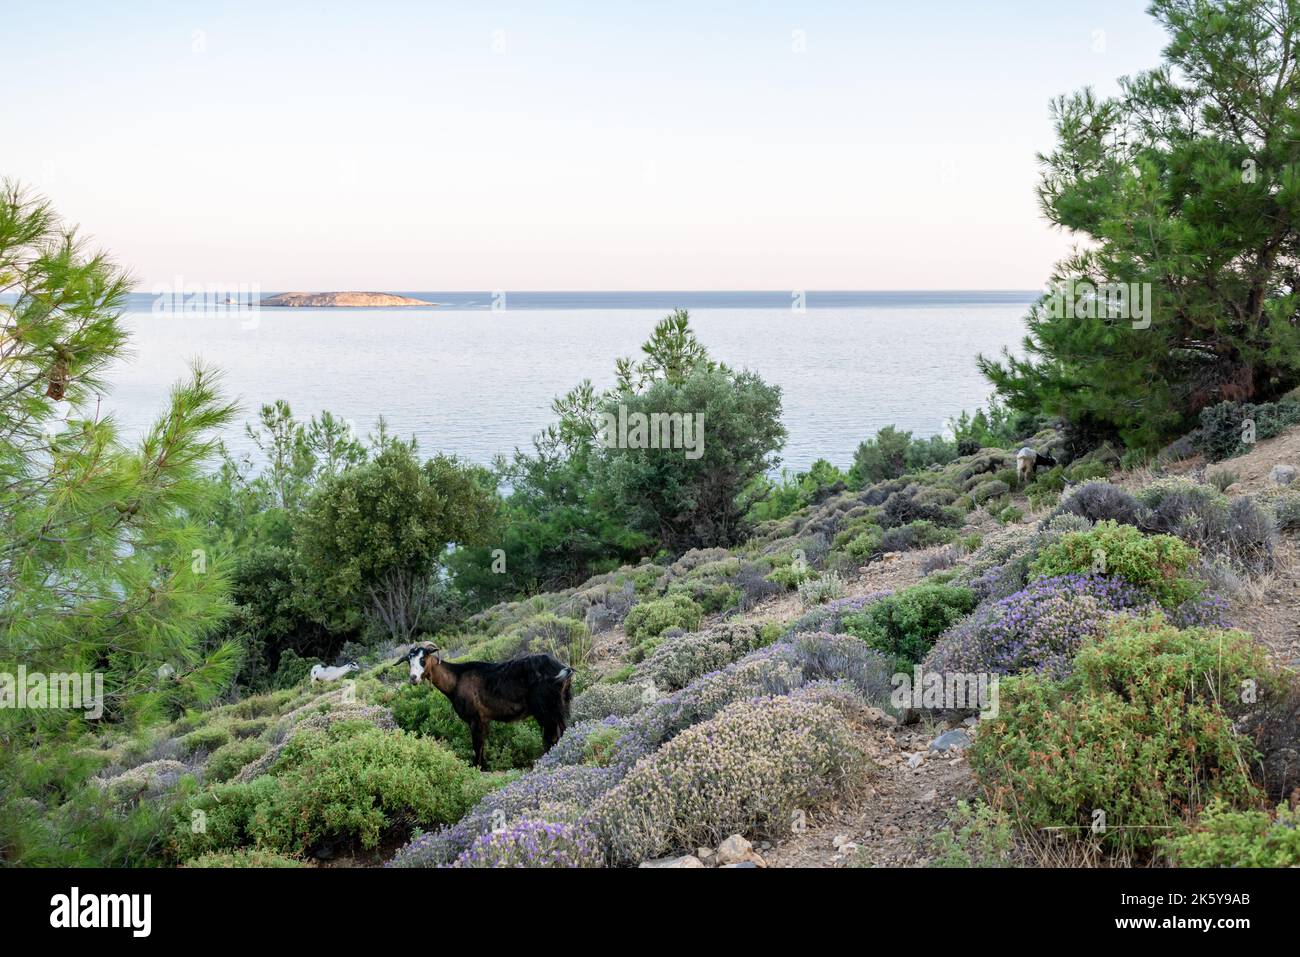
[482, 692]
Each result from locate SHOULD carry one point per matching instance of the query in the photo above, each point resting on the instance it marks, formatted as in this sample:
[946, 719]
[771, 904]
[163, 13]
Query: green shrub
[792, 575]
[818, 591]
[355, 781]
[650, 619]
[1224, 426]
[905, 625]
[600, 746]
[1226, 838]
[921, 533]
[230, 758]
[207, 738]
[711, 596]
[217, 819]
[977, 836]
[245, 857]
[293, 670]
[1157, 563]
[865, 545]
[426, 711]
[892, 453]
[565, 639]
[249, 728]
[1136, 733]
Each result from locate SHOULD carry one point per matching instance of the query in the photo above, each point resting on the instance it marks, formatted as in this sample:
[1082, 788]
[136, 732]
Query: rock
[881, 717]
[706, 855]
[970, 722]
[1282, 474]
[951, 741]
[733, 850]
[839, 840]
[1234, 489]
[849, 849]
[916, 760]
[319, 299]
[741, 864]
[686, 860]
[930, 796]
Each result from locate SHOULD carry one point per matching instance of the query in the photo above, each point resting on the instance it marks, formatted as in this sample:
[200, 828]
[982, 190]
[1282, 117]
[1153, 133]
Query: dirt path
[891, 820]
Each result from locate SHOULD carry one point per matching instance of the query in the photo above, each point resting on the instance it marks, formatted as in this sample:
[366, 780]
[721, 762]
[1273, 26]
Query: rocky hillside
[737, 707]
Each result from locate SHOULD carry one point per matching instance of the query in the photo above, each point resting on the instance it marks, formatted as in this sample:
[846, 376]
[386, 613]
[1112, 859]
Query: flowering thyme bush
[605, 700]
[678, 661]
[533, 844]
[843, 657]
[555, 795]
[749, 768]
[1039, 628]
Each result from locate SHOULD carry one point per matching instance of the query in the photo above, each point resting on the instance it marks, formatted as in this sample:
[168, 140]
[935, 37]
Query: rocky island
[317, 299]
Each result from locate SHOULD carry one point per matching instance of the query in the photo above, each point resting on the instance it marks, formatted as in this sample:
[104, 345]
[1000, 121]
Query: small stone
[916, 760]
[929, 796]
[839, 839]
[733, 850]
[849, 849]
[686, 860]
[970, 722]
[705, 854]
[1282, 474]
[741, 864]
[950, 741]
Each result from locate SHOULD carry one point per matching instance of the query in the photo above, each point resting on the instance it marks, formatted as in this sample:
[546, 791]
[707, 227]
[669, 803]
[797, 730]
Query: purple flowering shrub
[533, 844]
[748, 769]
[1204, 611]
[822, 656]
[556, 794]
[1039, 628]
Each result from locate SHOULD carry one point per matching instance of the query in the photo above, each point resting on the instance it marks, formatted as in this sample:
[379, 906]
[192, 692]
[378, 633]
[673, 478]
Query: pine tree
[101, 568]
[1188, 180]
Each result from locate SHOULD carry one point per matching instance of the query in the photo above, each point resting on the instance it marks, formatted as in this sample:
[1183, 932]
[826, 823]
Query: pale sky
[554, 146]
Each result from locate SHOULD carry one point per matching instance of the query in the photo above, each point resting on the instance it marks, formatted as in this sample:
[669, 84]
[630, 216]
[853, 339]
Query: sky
[557, 145]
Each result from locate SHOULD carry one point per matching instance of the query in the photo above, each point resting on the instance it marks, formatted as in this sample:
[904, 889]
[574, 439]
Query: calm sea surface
[468, 379]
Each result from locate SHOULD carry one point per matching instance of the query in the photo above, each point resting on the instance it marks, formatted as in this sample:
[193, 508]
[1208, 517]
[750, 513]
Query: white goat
[321, 673]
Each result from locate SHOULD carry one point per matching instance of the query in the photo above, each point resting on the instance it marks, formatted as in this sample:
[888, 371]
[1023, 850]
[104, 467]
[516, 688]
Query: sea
[474, 373]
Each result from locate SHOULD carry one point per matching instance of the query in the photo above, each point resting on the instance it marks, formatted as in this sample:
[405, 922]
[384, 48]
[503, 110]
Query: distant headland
[317, 299]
